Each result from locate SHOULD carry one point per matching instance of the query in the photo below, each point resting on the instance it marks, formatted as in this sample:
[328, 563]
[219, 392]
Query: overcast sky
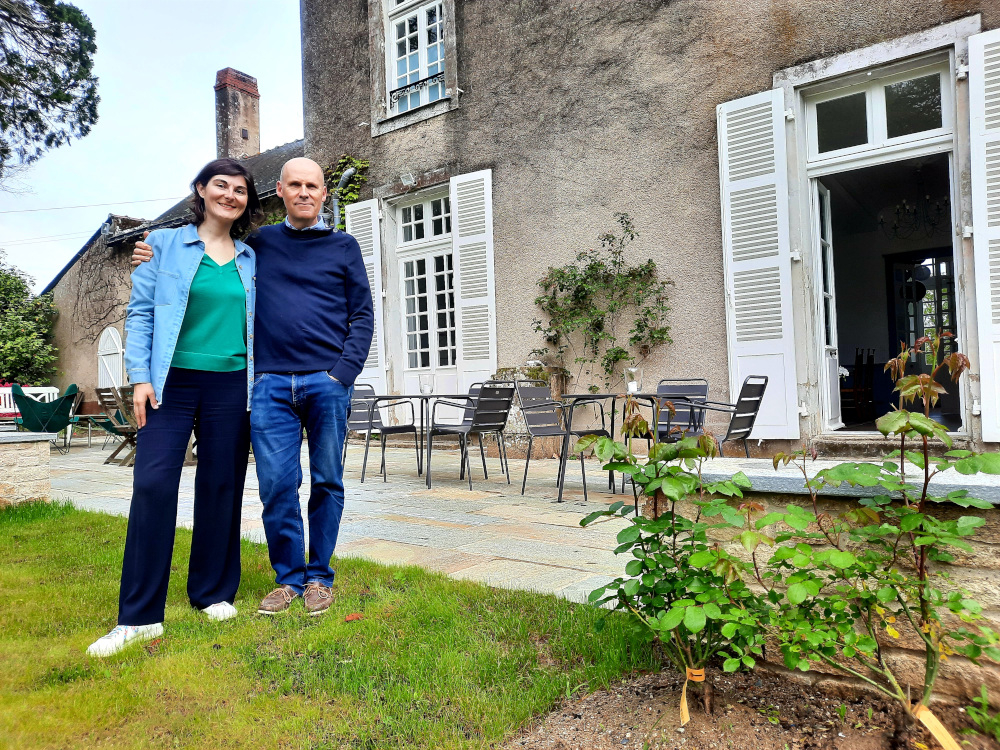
[156, 61]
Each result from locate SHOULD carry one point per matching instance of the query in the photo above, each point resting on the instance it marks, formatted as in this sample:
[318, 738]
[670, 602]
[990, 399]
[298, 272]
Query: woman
[189, 355]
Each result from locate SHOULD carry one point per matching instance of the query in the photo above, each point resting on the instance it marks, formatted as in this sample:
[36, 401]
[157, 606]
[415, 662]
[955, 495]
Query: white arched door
[110, 359]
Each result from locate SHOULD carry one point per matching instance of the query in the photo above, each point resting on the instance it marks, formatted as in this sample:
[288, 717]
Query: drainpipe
[335, 200]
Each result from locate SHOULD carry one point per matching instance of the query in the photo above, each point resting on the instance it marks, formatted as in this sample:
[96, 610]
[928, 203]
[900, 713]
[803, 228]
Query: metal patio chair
[54, 416]
[546, 417]
[686, 420]
[499, 434]
[366, 416]
[490, 409]
[744, 411]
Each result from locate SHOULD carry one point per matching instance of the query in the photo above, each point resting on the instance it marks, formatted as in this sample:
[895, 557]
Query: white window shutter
[984, 111]
[472, 250]
[362, 223]
[757, 258]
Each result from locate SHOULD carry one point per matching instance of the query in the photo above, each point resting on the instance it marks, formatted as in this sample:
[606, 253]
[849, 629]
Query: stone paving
[491, 534]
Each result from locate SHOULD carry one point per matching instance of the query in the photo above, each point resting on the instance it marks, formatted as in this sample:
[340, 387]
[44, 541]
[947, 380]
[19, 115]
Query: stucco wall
[583, 109]
[90, 296]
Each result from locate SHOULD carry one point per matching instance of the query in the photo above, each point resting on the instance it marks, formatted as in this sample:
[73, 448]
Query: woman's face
[225, 197]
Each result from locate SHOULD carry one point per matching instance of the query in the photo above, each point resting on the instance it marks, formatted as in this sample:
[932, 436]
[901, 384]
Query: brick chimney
[237, 115]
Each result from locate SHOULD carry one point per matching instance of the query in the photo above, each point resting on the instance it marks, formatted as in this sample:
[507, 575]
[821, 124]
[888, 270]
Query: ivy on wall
[603, 313]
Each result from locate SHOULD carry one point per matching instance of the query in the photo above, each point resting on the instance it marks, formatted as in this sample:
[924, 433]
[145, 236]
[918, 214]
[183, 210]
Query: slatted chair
[54, 416]
[546, 417]
[744, 411]
[499, 434]
[490, 409]
[118, 422]
[686, 420]
[366, 416]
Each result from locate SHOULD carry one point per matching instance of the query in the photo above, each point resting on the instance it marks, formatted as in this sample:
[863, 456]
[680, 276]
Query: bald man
[312, 330]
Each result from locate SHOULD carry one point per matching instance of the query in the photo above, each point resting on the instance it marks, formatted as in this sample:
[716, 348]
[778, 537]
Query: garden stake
[694, 675]
[935, 727]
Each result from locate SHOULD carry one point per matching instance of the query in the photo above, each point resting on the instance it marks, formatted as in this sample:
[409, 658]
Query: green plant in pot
[845, 587]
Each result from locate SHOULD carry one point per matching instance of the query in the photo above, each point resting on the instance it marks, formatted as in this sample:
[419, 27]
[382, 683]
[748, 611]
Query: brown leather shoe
[317, 598]
[277, 601]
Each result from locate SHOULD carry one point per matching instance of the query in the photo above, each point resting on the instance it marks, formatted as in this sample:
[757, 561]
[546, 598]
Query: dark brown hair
[229, 168]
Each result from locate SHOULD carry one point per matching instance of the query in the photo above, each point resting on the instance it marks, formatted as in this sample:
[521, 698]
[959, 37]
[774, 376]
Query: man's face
[301, 188]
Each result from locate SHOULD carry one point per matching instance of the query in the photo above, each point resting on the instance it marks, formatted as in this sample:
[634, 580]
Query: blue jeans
[284, 404]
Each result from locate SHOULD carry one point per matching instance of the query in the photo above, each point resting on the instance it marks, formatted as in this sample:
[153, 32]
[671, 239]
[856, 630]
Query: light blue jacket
[159, 298]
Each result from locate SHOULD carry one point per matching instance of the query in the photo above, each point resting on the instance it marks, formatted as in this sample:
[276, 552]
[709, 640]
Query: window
[883, 111]
[427, 343]
[428, 220]
[416, 57]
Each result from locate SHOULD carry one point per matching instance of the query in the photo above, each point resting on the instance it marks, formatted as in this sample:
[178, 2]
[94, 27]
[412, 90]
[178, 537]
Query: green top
[213, 335]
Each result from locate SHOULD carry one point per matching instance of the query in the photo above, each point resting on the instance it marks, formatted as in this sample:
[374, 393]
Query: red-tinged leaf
[354, 616]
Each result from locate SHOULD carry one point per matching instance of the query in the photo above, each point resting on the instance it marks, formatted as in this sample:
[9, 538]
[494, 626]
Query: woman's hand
[142, 393]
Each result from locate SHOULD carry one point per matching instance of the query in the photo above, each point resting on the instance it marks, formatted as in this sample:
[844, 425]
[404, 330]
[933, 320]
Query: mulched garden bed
[759, 711]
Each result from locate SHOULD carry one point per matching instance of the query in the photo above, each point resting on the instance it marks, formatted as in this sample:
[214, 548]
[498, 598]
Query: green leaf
[694, 619]
[749, 662]
[742, 481]
[796, 593]
[769, 519]
[631, 587]
[892, 423]
[633, 568]
[629, 534]
[990, 463]
[712, 611]
[594, 516]
[729, 629]
[841, 560]
[702, 559]
[672, 618]
[886, 595]
[911, 521]
[730, 665]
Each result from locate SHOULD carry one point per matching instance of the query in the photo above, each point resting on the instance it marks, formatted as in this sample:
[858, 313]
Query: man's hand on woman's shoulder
[142, 252]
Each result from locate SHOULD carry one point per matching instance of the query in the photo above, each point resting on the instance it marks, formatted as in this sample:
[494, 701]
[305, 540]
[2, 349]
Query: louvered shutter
[362, 223]
[984, 110]
[472, 250]
[756, 256]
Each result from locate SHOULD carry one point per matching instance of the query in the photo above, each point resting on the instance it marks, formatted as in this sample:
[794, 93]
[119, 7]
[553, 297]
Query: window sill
[413, 116]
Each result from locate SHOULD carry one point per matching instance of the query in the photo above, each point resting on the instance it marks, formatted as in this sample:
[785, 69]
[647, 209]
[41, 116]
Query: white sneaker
[121, 636]
[220, 611]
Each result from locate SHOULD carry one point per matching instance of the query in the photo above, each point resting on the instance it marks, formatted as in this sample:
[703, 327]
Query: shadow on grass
[431, 663]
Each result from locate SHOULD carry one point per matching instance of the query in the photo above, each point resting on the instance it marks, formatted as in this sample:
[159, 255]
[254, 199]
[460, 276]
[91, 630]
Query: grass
[433, 663]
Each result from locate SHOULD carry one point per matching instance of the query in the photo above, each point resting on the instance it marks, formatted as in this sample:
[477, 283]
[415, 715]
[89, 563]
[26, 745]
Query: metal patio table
[573, 400]
[424, 399]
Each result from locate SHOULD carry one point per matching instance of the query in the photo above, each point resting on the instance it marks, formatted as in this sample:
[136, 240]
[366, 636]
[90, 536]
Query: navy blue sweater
[314, 304]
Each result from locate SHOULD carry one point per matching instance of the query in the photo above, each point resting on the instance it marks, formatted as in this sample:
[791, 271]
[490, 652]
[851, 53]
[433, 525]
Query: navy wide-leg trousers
[214, 406]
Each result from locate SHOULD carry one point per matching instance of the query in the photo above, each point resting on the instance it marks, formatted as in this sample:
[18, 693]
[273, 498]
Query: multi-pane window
[430, 318]
[427, 220]
[881, 112]
[416, 75]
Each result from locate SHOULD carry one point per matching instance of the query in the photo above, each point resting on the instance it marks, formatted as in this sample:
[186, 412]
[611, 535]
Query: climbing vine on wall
[352, 190]
[603, 313]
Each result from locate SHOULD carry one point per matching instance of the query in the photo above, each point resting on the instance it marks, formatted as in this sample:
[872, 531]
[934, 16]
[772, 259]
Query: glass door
[832, 418]
[429, 320]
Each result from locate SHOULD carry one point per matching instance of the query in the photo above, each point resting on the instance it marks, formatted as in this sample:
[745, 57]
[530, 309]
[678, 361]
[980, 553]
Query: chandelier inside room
[926, 216]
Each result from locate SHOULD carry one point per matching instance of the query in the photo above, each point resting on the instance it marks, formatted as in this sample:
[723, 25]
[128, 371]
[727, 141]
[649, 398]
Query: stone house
[817, 181]
[91, 292]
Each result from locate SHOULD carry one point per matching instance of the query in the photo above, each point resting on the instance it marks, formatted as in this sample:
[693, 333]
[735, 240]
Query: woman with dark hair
[189, 356]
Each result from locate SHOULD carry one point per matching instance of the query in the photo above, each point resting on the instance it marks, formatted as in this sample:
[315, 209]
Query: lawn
[432, 663]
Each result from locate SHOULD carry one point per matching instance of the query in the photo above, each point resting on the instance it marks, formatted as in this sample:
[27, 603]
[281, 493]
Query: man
[312, 331]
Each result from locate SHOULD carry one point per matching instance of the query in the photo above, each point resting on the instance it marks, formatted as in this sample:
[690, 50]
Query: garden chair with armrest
[490, 409]
[366, 416]
[546, 417]
[744, 411]
[119, 423]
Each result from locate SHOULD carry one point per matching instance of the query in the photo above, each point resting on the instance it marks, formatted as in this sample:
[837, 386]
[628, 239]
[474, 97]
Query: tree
[48, 93]
[27, 355]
